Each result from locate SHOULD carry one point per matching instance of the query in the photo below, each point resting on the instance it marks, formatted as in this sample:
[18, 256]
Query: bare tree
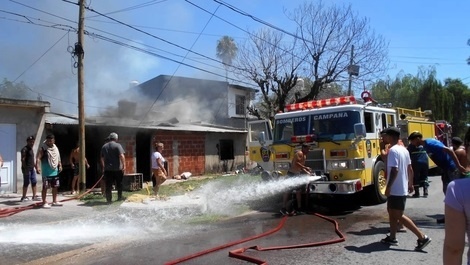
[272, 64]
[328, 34]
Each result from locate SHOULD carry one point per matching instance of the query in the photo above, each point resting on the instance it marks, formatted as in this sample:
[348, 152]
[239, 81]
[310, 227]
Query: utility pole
[349, 71]
[352, 70]
[81, 109]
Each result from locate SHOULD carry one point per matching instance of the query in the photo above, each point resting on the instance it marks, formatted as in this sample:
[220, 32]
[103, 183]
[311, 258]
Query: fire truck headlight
[339, 164]
[282, 166]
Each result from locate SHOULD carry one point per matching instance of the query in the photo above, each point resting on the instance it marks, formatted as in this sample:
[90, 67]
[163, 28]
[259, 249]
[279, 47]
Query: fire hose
[14, 210]
[238, 253]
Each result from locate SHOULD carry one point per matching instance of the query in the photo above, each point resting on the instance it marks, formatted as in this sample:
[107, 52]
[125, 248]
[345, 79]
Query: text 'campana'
[328, 116]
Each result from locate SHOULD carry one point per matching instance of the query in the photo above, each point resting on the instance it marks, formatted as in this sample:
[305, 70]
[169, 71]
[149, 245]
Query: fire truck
[344, 135]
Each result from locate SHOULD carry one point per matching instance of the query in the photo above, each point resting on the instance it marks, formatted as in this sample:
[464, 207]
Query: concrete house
[201, 122]
[18, 120]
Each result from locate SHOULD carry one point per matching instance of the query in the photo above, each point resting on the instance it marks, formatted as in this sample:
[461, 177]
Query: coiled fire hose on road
[238, 253]
[14, 210]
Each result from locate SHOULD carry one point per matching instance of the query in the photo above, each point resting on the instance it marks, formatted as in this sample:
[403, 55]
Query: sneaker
[425, 192]
[422, 243]
[299, 211]
[36, 198]
[24, 199]
[296, 212]
[389, 241]
[57, 204]
[283, 212]
[46, 206]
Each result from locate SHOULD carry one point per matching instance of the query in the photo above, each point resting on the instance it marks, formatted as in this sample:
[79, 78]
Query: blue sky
[419, 33]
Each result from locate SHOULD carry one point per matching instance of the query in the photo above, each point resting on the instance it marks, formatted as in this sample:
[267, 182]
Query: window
[240, 104]
[369, 122]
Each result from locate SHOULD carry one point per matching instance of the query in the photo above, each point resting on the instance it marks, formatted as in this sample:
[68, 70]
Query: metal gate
[8, 152]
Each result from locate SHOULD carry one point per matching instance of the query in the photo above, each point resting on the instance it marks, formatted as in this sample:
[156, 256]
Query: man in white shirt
[399, 183]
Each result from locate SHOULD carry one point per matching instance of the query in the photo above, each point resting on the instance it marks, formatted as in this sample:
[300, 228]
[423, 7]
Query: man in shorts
[399, 184]
[48, 162]
[28, 168]
[297, 169]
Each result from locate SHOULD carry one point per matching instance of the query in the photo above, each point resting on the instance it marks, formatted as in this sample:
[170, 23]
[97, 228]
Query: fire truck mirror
[360, 130]
[262, 138]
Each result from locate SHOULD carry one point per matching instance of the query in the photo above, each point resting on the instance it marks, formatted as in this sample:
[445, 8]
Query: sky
[180, 37]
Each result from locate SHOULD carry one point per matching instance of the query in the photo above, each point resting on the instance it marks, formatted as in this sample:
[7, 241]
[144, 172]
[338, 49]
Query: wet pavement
[154, 232]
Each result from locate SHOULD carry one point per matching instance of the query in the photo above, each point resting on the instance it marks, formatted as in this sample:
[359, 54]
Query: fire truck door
[260, 152]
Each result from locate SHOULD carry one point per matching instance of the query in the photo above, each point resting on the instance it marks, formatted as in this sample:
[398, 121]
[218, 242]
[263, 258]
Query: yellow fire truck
[344, 134]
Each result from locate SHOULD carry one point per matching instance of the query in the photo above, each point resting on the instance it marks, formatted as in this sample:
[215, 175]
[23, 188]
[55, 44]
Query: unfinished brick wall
[128, 144]
[184, 151]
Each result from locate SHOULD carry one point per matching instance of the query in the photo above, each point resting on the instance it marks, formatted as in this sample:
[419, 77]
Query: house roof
[171, 125]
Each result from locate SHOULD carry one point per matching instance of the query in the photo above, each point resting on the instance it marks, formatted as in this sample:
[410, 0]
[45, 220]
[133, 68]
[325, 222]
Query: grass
[173, 189]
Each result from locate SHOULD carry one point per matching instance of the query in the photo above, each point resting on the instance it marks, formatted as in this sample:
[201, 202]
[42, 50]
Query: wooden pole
[81, 100]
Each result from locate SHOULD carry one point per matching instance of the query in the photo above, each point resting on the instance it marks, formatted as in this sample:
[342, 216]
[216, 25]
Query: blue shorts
[29, 176]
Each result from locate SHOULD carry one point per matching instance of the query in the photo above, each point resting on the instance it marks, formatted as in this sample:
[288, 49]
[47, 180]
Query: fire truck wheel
[376, 192]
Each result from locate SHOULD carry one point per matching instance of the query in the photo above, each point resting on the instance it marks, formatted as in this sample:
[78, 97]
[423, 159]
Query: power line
[68, 28]
[148, 34]
[153, 2]
[42, 55]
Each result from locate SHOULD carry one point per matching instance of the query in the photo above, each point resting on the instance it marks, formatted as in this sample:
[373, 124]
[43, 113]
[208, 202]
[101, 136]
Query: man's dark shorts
[50, 182]
[295, 175]
[76, 169]
[396, 202]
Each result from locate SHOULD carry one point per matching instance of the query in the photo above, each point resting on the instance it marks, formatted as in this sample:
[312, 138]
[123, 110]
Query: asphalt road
[77, 234]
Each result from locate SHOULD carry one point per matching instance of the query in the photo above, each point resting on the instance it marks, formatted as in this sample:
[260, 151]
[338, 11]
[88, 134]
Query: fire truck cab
[344, 135]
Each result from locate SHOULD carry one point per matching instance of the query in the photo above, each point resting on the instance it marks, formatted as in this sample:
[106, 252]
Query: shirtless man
[74, 163]
[459, 150]
[298, 168]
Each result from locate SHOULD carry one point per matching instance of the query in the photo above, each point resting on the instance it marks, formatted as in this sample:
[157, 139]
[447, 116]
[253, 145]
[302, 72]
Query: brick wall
[128, 144]
[184, 151]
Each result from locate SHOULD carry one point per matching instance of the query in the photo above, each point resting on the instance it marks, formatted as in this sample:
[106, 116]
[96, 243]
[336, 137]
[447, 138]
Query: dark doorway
[143, 152]
[226, 150]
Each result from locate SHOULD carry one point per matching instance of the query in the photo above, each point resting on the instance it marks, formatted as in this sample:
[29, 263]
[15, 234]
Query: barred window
[240, 105]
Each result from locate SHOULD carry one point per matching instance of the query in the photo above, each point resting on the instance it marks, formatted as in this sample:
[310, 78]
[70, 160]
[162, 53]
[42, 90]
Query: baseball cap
[457, 141]
[30, 138]
[113, 136]
[415, 135]
[391, 131]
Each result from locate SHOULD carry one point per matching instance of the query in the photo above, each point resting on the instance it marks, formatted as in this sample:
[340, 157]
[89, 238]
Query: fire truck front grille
[316, 161]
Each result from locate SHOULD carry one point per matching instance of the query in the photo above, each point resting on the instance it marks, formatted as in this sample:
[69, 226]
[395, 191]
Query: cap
[113, 136]
[415, 135]
[305, 145]
[391, 131]
[457, 141]
[30, 138]
[50, 136]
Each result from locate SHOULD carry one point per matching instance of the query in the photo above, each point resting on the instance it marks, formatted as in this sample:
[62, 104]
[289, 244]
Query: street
[75, 234]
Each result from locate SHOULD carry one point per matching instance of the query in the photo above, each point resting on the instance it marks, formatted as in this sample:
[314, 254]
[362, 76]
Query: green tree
[460, 106]
[423, 91]
[226, 51]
